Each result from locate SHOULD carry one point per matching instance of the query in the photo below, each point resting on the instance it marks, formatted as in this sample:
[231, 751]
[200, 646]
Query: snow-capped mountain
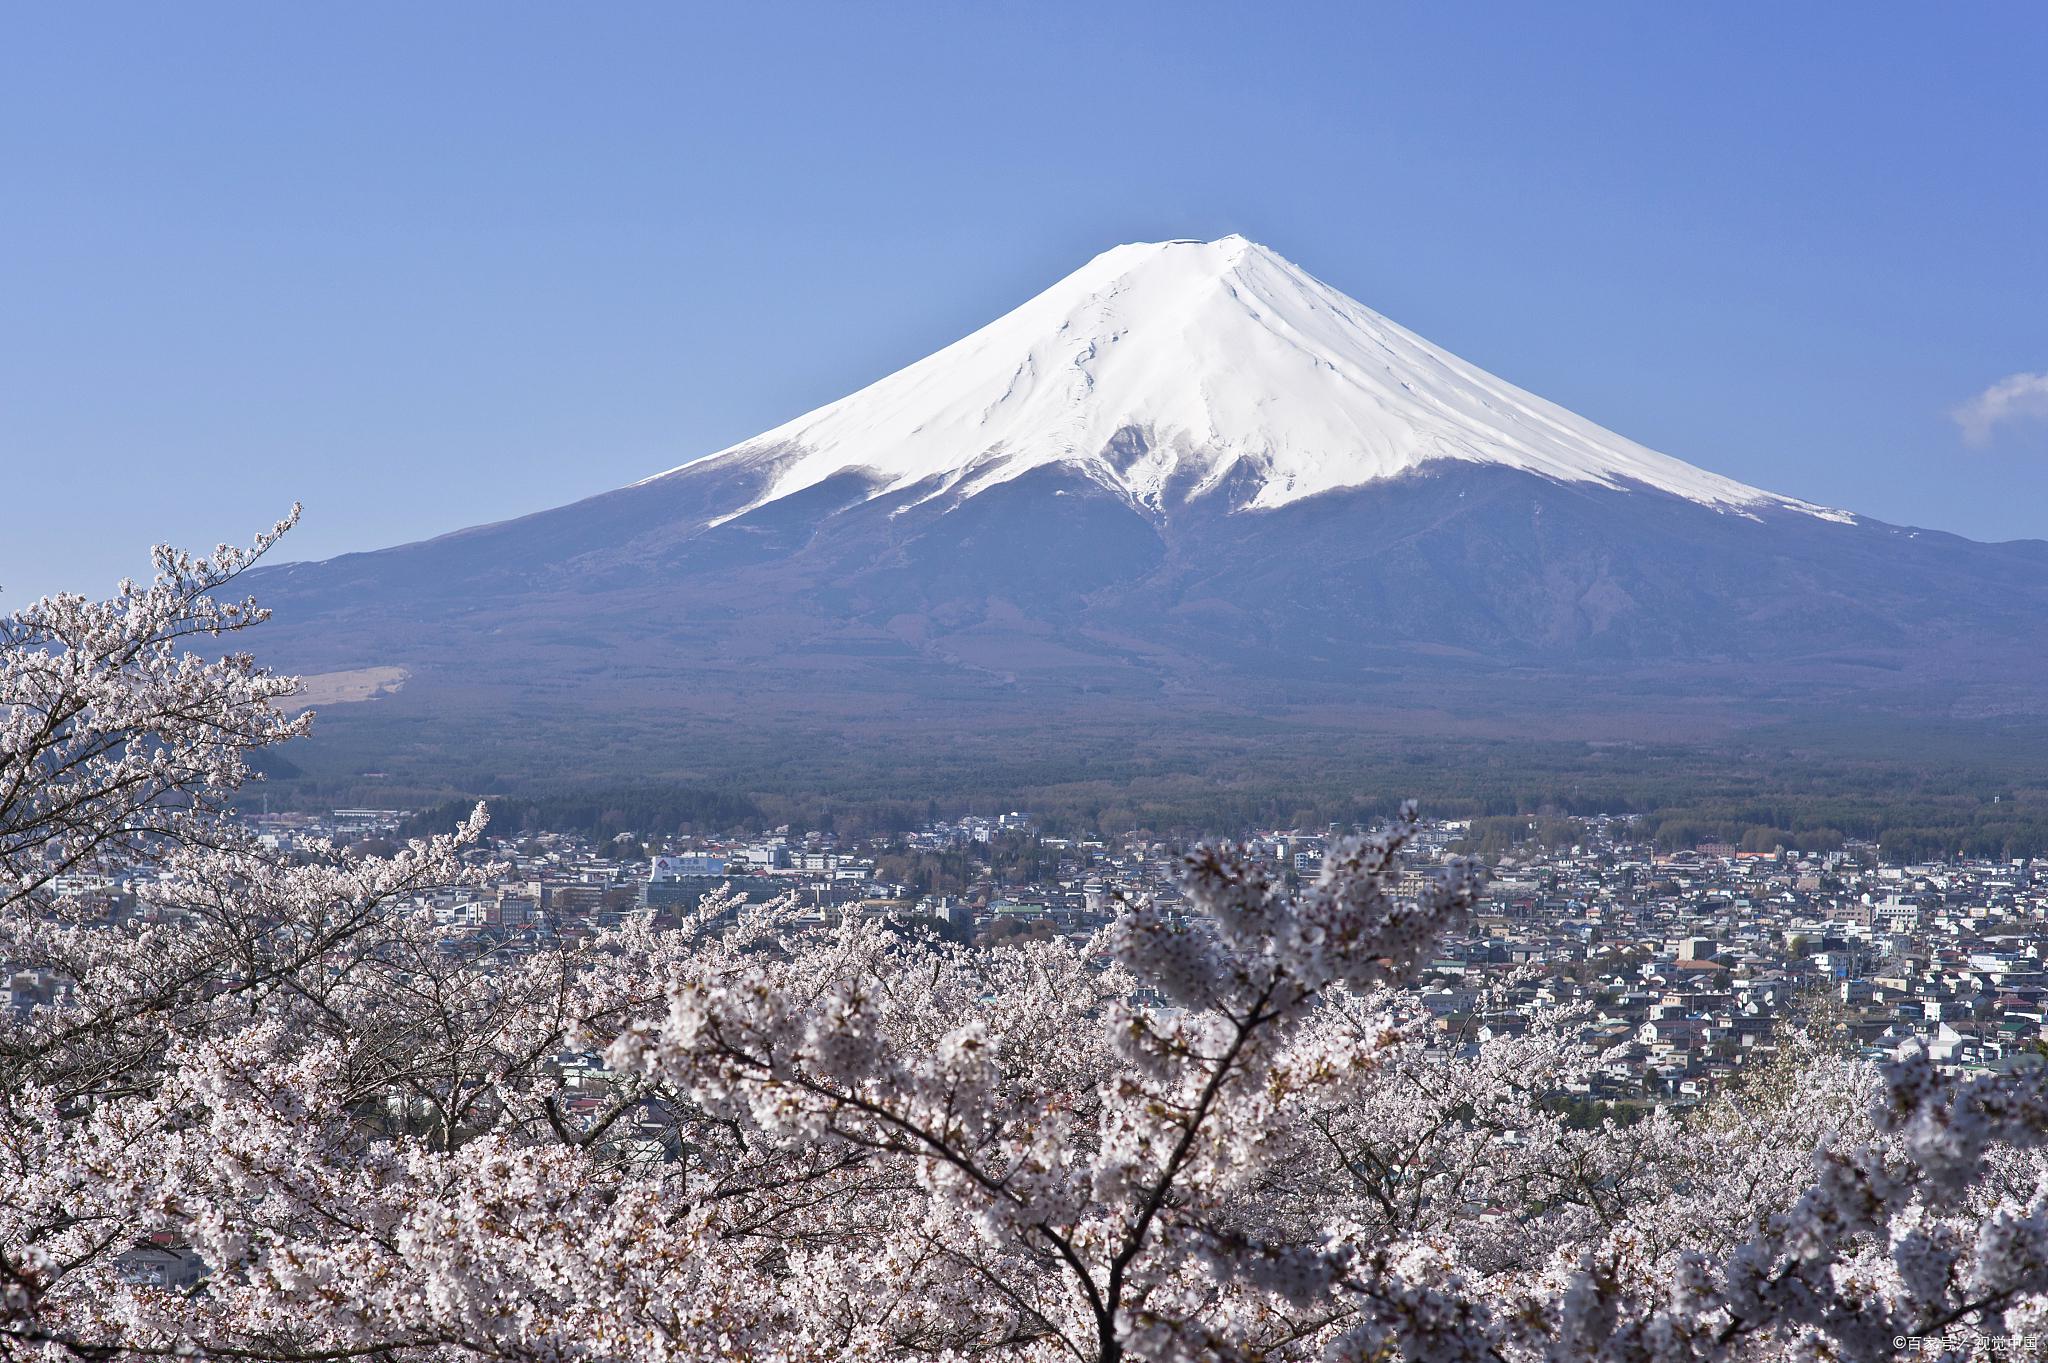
[1187, 479]
[1202, 366]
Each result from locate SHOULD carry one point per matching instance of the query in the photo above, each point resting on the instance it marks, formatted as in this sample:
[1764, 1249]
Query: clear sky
[423, 266]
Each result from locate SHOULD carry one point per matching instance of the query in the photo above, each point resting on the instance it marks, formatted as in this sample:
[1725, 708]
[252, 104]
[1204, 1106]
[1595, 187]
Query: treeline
[1907, 827]
[599, 816]
[1492, 836]
[1965, 794]
[1930, 827]
[1967, 833]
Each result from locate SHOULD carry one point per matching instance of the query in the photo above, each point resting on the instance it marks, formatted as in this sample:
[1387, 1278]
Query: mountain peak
[1204, 365]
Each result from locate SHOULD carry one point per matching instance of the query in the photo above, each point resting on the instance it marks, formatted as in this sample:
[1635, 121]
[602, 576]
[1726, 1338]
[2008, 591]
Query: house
[158, 1263]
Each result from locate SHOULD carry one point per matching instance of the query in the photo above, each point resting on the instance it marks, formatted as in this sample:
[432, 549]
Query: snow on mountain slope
[1223, 357]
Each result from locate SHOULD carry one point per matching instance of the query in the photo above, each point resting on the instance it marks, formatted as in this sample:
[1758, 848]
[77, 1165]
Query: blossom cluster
[1219, 1130]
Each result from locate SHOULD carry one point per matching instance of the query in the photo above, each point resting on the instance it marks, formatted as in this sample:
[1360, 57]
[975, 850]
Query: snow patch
[1220, 353]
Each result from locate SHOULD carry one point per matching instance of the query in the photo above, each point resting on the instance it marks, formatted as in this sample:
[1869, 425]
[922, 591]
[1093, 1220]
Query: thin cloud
[2014, 400]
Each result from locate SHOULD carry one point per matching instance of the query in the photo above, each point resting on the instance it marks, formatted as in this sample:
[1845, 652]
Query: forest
[1982, 795]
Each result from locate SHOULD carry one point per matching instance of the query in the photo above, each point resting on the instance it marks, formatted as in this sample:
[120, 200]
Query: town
[1680, 965]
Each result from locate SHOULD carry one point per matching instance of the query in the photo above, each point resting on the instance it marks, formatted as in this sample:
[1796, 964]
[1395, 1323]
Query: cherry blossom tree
[1223, 1128]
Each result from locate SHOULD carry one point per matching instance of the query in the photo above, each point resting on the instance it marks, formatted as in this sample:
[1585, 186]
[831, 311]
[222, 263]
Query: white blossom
[1217, 1132]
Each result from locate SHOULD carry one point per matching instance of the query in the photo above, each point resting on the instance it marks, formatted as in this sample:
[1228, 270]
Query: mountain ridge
[819, 579]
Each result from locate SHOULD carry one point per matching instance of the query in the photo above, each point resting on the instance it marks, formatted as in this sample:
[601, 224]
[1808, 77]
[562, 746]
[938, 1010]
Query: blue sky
[426, 266]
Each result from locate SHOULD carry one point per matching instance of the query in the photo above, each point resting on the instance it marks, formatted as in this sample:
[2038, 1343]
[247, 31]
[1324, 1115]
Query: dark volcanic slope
[1460, 591]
